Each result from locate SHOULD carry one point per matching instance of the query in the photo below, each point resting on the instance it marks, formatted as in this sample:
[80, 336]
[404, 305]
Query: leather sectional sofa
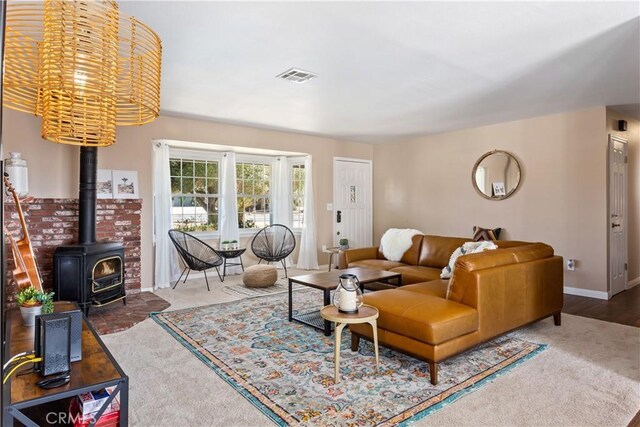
[489, 294]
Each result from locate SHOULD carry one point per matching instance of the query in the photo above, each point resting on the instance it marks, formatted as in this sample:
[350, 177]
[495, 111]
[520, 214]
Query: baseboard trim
[149, 289]
[586, 293]
[634, 282]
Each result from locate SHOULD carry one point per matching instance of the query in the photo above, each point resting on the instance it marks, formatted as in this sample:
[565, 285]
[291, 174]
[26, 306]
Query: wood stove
[89, 272]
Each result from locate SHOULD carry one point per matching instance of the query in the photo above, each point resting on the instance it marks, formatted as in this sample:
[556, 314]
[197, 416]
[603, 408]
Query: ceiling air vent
[296, 75]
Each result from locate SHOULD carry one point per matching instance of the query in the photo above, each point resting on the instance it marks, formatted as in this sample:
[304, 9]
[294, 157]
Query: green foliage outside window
[194, 194]
[253, 182]
[297, 195]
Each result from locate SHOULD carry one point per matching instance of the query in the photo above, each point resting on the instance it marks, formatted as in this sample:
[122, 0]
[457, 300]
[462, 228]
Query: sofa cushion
[468, 264]
[503, 244]
[416, 274]
[424, 317]
[436, 250]
[437, 288]
[467, 248]
[379, 264]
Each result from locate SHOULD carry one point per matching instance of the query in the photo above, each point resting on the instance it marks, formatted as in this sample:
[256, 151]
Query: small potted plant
[233, 244]
[225, 245]
[33, 302]
[344, 244]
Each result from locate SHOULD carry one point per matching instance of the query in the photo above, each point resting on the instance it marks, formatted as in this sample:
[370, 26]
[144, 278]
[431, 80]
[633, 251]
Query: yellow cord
[31, 360]
[29, 354]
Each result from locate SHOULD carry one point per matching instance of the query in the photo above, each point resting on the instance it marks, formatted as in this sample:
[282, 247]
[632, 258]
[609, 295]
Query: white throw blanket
[465, 249]
[396, 241]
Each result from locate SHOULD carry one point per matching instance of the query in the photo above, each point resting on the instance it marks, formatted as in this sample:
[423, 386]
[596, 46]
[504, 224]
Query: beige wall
[53, 169]
[425, 183]
[632, 135]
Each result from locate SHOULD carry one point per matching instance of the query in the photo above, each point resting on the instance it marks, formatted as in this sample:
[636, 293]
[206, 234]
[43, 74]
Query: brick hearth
[54, 222]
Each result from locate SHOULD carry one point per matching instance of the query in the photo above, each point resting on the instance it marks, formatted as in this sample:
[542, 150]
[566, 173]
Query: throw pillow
[480, 233]
[396, 241]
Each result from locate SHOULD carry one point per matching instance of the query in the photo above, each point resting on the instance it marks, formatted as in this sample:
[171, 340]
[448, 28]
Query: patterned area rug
[286, 369]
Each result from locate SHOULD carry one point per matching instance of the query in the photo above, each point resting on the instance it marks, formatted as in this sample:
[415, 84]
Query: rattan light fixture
[83, 67]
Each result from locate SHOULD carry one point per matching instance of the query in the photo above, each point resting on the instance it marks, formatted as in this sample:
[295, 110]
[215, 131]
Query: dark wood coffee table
[327, 282]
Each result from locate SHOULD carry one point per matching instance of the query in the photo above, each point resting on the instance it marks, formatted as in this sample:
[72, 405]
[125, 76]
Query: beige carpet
[589, 375]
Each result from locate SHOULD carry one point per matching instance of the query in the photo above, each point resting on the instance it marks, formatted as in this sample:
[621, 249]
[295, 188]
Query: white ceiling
[393, 69]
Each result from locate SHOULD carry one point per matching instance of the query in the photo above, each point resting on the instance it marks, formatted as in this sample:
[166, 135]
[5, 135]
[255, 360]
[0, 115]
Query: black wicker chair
[274, 243]
[196, 254]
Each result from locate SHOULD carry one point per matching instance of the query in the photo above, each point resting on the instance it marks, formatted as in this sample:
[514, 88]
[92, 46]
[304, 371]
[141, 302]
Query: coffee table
[366, 314]
[328, 281]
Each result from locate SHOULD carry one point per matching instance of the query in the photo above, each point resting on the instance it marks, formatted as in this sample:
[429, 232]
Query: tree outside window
[253, 182]
[297, 195]
[194, 194]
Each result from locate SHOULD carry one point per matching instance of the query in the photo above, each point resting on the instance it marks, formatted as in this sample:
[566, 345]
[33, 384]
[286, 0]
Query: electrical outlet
[571, 264]
[329, 206]
[324, 248]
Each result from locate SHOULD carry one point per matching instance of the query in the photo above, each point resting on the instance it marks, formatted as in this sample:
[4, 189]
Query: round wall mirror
[496, 175]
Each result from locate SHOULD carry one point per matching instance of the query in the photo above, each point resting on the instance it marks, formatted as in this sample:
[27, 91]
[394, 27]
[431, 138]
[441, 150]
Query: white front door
[352, 204]
[617, 215]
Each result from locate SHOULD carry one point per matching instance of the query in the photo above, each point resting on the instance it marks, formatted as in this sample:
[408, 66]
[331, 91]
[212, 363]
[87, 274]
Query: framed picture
[125, 184]
[498, 189]
[104, 185]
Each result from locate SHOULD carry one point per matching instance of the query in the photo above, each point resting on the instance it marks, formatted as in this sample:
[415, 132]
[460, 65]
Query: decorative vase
[29, 314]
[16, 167]
[344, 247]
[348, 296]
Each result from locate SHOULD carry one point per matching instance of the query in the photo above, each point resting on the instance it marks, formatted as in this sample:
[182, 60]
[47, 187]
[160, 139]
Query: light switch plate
[329, 206]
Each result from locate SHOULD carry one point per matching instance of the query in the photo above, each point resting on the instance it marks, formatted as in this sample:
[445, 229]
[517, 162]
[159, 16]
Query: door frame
[333, 215]
[611, 139]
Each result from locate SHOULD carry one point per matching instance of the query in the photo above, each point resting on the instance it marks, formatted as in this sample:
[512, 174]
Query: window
[194, 194]
[297, 195]
[253, 183]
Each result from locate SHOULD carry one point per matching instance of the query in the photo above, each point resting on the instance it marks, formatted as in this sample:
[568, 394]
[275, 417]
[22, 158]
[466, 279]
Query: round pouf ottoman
[260, 276]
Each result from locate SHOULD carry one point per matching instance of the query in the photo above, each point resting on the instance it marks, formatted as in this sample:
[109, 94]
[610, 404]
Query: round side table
[228, 254]
[366, 314]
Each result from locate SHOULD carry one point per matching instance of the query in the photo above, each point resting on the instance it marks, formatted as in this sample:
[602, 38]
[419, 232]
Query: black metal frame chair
[274, 243]
[196, 254]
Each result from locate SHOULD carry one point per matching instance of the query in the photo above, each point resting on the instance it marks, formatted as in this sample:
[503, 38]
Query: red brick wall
[54, 222]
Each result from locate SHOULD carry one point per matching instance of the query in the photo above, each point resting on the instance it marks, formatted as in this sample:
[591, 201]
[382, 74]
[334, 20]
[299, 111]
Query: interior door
[617, 214]
[352, 204]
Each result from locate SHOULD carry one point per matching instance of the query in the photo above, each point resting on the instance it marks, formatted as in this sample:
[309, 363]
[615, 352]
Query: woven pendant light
[79, 69]
[138, 88]
[82, 67]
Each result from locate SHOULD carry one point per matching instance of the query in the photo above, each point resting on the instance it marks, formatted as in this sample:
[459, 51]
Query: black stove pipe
[88, 195]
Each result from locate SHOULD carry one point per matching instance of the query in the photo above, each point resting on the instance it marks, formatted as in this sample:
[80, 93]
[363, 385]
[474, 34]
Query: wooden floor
[623, 308]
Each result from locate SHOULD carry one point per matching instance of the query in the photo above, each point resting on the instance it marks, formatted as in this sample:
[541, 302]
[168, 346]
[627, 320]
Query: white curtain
[228, 209]
[308, 255]
[166, 258]
[281, 196]
[281, 192]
